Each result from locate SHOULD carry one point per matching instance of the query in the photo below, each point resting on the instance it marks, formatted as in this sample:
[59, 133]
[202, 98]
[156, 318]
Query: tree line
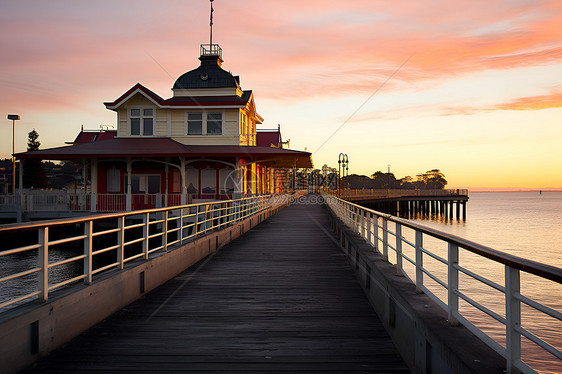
[36, 172]
[430, 180]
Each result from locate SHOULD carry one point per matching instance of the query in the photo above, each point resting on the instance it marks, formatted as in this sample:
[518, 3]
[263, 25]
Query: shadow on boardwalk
[282, 298]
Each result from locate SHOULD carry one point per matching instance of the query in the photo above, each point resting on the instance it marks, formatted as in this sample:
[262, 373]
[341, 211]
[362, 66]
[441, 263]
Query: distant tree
[385, 180]
[432, 179]
[33, 172]
[379, 179]
[69, 168]
[355, 181]
[406, 183]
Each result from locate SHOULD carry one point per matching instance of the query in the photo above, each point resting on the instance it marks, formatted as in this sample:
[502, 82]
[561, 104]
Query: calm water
[525, 224]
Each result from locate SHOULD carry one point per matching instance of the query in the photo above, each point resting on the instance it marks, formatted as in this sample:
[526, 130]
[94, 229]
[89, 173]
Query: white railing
[66, 201]
[71, 250]
[388, 233]
[9, 202]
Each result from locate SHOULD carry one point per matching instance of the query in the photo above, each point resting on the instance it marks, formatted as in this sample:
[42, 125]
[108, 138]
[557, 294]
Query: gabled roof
[226, 101]
[166, 147]
[137, 88]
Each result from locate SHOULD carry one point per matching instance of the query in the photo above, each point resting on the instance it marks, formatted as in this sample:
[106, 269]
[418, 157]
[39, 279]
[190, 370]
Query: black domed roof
[208, 75]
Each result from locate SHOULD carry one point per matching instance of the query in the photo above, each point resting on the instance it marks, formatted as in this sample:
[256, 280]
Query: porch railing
[66, 251]
[62, 201]
[9, 202]
[406, 245]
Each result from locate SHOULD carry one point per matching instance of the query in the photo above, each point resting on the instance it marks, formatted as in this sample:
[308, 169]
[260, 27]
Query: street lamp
[14, 118]
[388, 185]
[343, 162]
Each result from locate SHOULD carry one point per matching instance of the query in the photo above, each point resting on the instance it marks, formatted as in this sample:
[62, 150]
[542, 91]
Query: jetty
[268, 302]
[447, 204]
[289, 283]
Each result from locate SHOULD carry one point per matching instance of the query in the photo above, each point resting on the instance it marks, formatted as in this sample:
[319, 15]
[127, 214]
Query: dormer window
[142, 121]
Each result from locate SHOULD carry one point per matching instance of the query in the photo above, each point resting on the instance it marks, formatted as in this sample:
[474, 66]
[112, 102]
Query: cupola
[209, 74]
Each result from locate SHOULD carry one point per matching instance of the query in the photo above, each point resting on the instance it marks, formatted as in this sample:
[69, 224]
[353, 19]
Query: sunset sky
[473, 88]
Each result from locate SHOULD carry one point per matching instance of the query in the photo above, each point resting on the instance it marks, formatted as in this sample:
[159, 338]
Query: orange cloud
[534, 103]
[553, 100]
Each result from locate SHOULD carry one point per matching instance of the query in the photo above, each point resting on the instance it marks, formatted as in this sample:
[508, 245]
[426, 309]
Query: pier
[446, 203]
[269, 302]
[287, 283]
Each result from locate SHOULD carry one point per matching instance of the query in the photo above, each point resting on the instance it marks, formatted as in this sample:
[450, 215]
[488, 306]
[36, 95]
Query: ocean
[524, 224]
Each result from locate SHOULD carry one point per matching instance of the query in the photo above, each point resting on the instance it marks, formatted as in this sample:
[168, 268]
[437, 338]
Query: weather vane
[211, 25]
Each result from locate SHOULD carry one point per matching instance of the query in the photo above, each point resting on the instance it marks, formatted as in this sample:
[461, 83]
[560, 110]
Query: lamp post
[388, 185]
[343, 162]
[14, 118]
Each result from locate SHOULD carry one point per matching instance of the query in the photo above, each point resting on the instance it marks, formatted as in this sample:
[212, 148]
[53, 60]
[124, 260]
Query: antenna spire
[211, 25]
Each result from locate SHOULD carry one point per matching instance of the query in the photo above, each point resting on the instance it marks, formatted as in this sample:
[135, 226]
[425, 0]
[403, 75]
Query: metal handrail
[365, 222]
[181, 223]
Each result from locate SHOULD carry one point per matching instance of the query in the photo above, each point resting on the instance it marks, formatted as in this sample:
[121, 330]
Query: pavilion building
[201, 144]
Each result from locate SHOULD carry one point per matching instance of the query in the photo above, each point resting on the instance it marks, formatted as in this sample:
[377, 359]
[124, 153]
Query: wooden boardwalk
[280, 299]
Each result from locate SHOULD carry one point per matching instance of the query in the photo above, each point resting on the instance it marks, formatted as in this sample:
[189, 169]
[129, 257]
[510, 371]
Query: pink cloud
[283, 50]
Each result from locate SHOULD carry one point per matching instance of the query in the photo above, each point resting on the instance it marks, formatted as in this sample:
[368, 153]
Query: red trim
[231, 100]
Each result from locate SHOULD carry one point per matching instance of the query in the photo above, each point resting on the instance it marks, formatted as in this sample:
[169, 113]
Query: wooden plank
[282, 298]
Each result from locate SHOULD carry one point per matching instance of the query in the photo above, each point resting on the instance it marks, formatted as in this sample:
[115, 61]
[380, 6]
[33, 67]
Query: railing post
[43, 263]
[398, 231]
[385, 239]
[121, 242]
[206, 218]
[376, 232]
[363, 224]
[453, 283]
[513, 318]
[369, 227]
[419, 261]
[88, 230]
[145, 230]
[181, 226]
[165, 231]
[93, 202]
[195, 224]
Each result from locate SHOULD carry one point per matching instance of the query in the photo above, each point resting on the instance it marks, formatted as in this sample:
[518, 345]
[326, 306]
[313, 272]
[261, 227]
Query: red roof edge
[140, 88]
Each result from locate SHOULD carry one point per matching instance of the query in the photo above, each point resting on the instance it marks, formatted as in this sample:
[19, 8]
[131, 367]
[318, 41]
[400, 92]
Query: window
[192, 180]
[144, 183]
[142, 122]
[113, 181]
[208, 181]
[214, 123]
[195, 124]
